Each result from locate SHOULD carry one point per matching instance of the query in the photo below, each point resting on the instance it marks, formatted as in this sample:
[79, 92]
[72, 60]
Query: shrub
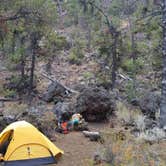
[129, 66]
[10, 93]
[131, 151]
[75, 56]
[130, 91]
[154, 134]
[88, 75]
[15, 109]
[128, 116]
[73, 59]
[157, 63]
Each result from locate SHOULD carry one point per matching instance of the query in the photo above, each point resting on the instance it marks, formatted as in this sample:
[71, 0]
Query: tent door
[5, 141]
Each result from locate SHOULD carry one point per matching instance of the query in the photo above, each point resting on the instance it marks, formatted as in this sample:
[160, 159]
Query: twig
[9, 99]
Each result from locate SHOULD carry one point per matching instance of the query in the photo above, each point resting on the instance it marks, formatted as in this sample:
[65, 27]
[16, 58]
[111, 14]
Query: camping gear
[76, 117]
[75, 122]
[21, 144]
[64, 128]
[78, 123]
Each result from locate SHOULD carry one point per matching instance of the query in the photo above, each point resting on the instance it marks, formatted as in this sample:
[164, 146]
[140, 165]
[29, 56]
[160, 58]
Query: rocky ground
[79, 151]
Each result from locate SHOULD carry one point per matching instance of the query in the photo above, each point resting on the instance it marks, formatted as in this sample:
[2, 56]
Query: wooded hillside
[104, 59]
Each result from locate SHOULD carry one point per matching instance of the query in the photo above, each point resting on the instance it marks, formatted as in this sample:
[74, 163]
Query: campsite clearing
[78, 150]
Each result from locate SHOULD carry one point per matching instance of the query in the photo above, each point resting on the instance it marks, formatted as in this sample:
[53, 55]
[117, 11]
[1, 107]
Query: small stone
[1, 104]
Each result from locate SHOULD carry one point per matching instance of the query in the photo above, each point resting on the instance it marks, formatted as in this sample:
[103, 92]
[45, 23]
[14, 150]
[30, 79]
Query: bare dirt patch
[78, 150]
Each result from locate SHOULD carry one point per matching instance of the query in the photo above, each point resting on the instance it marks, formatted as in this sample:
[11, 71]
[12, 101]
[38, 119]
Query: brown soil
[78, 150]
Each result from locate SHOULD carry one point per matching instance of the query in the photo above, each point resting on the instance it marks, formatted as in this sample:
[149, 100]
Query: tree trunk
[163, 91]
[60, 12]
[114, 60]
[49, 64]
[133, 54]
[3, 45]
[33, 59]
[89, 37]
[14, 41]
[32, 73]
[22, 61]
[22, 68]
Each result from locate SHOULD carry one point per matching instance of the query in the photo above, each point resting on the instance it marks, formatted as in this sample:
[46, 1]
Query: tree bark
[22, 68]
[14, 41]
[22, 61]
[163, 91]
[32, 73]
[60, 12]
[89, 37]
[34, 39]
[133, 54]
[114, 60]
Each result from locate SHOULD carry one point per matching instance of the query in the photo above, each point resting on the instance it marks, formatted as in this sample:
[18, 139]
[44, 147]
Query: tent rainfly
[21, 144]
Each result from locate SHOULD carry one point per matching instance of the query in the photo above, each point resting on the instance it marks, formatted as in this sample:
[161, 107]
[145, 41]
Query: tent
[21, 144]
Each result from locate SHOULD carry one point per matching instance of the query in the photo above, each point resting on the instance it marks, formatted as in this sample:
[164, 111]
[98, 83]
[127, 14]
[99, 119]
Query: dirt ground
[78, 150]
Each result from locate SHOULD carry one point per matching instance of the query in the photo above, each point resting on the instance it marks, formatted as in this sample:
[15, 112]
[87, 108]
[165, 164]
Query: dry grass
[154, 134]
[14, 109]
[130, 151]
[129, 116]
[121, 148]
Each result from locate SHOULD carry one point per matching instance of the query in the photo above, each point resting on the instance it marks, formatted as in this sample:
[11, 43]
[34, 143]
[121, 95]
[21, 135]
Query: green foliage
[10, 93]
[73, 11]
[75, 56]
[17, 55]
[88, 75]
[103, 78]
[36, 16]
[15, 79]
[54, 42]
[43, 19]
[57, 41]
[130, 91]
[61, 42]
[104, 48]
[157, 62]
[73, 59]
[76, 52]
[115, 10]
[129, 66]
[17, 84]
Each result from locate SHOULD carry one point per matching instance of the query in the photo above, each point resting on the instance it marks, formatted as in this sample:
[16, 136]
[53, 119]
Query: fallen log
[56, 89]
[124, 77]
[57, 82]
[94, 136]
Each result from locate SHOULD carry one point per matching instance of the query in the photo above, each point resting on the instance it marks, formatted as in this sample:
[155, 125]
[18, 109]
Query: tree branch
[152, 14]
[68, 89]
[108, 22]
